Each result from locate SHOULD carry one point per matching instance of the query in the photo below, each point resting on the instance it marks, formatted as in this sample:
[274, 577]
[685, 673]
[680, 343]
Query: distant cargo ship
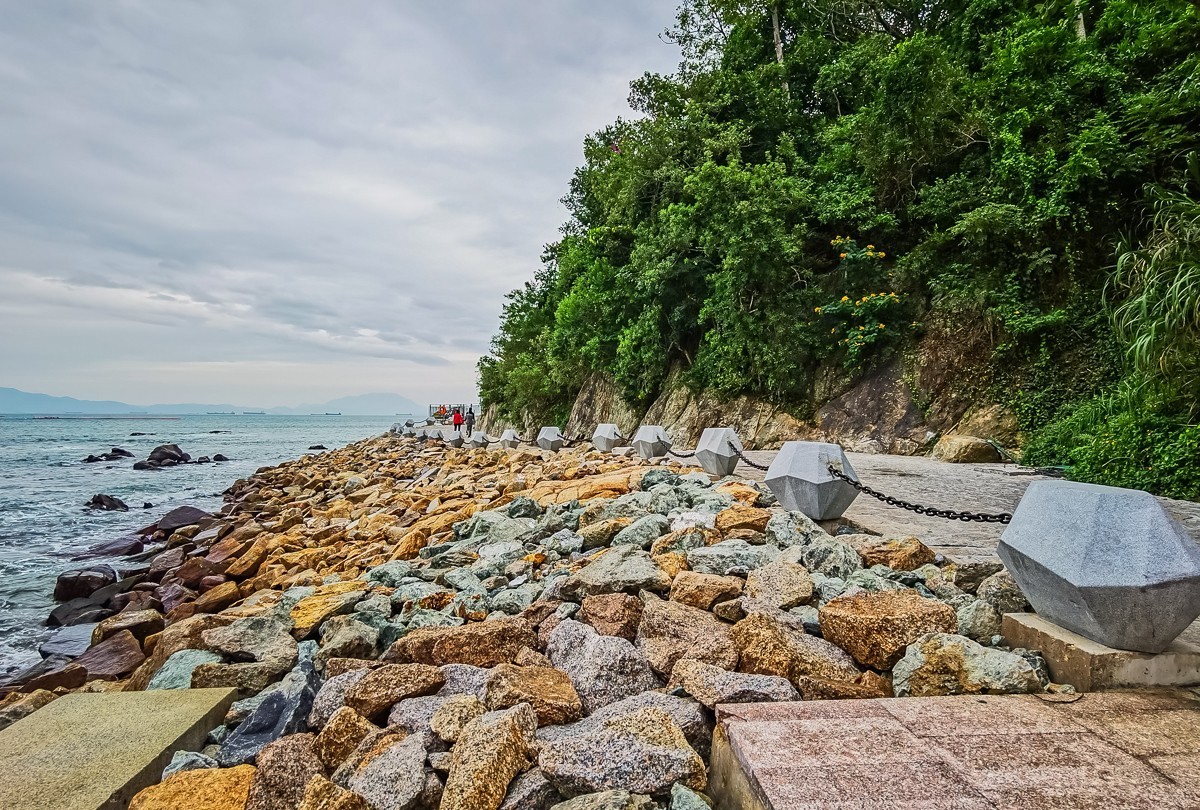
[219, 413]
[254, 413]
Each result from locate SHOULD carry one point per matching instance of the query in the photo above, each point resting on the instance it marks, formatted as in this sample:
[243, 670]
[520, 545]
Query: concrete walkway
[1110, 751]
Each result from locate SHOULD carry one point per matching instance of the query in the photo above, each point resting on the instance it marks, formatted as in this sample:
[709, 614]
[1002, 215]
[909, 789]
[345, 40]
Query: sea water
[44, 485]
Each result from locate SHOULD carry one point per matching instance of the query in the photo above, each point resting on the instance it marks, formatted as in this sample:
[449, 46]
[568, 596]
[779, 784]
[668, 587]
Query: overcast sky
[283, 202]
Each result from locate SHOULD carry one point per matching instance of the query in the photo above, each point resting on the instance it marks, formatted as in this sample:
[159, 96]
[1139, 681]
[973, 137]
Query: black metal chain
[745, 460]
[950, 514]
[682, 455]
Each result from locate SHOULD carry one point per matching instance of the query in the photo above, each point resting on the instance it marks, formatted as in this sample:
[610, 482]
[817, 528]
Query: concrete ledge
[96, 751]
[1092, 667]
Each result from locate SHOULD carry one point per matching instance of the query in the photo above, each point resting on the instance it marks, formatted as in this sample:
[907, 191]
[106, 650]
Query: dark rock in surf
[83, 582]
[180, 517]
[120, 547]
[107, 503]
[219, 457]
[168, 452]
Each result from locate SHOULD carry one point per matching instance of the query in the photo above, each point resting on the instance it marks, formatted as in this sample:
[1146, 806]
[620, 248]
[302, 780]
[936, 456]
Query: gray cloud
[272, 201]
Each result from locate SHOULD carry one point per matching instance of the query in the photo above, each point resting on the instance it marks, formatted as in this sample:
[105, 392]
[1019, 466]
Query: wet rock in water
[607, 800]
[613, 614]
[202, 789]
[180, 517]
[120, 547]
[623, 569]
[670, 631]
[284, 769]
[489, 754]
[945, 664]
[548, 690]
[644, 752]
[342, 734]
[117, 656]
[603, 669]
[1001, 591]
[220, 457]
[168, 453]
[875, 628]
[107, 503]
[69, 642]
[83, 582]
[703, 591]
[712, 685]
[318, 447]
[387, 770]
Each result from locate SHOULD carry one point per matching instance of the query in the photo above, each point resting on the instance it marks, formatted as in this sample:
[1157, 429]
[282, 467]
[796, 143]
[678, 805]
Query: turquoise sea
[44, 485]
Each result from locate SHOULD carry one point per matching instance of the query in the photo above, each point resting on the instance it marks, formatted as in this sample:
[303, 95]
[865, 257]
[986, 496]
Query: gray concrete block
[477, 439]
[1109, 564]
[551, 438]
[510, 439]
[800, 480]
[713, 451]
[452, 437]
[651, 441]
[96, 751]
[608, 438]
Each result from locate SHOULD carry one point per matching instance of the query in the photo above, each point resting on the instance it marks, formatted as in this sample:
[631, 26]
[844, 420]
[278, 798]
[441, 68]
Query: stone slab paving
[96, 751]
[1103, 750]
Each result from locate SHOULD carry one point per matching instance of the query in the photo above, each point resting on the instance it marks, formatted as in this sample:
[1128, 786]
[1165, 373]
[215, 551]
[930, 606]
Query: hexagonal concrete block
[478, 439]
[452, 437]
[407, 430]
[651, 441]
[608, 438]
[551, 438]
[713, 451]
[800, 479]
[1110, 564]
[510, 439]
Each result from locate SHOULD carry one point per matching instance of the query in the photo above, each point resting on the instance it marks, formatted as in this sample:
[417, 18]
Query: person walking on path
[458, 421]
[470, 420]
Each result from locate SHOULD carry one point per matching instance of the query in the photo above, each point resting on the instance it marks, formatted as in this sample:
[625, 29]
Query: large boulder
[548, 690]
[201, 789]
[603, 669]
[671, 630]
[621, 569]
[491, 751]
[946, 664]
[1110, 564]
[712, 685]
[958, 449]
[875, 628]
[768, 645]
[480, 644]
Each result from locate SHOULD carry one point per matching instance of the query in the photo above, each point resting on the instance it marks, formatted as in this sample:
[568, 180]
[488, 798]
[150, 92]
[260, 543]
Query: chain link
[682, 455]
[949, 514]
[745, 460]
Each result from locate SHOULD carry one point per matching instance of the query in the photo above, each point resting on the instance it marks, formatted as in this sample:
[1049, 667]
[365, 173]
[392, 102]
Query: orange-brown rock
[899, 553]
[480, 644]
[203, 789]
[321, 794]
[767, 645]
[875, 628]
[219, 598]
[547, 689]
[116, 656]
[285, 768]
[739, 517]
[672, 630]
[341, 735]
[374, 694]
[142, 623]
[612, 614]
[742, 493]
[704, 590]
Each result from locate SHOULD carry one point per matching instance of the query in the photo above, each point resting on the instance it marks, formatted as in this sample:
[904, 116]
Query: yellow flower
[845, 298]
[880, 326]
[881, 254]
[842, 255]
[870, 247]
[817, 310]
[833, 330]
[860, 328]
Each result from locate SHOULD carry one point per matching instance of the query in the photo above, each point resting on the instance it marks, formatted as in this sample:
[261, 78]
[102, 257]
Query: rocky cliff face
[880, 413]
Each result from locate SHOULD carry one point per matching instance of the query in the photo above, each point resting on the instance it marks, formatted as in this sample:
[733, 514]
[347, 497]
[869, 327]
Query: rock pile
[427, 627]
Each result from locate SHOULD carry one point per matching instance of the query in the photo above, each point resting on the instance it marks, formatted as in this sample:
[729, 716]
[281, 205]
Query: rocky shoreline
[410, 625]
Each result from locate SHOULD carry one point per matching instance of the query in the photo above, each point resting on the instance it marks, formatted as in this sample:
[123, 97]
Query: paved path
[962, 487]
[1103, 750]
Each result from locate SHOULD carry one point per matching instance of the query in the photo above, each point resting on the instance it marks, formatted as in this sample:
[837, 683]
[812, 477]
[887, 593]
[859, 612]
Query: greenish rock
[389, 574]
[870, 581]
[620, 569]
[978, 620]
[422, 617]
[523, 507]
[564, 542]
[825, 555]
[730, 557]
[514, 600]
[946, 664]
[656, 476]
[664, 498]
[792, 529]
[414, 591]
[634, 505]
[684, 798]
[176, 671]
[607, 800]
[643, 531]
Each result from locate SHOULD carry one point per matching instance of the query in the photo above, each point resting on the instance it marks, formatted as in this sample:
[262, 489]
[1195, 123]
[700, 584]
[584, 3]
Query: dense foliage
[822, 181]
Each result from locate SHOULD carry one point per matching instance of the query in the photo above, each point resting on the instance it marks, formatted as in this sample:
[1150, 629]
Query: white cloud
[279, 202]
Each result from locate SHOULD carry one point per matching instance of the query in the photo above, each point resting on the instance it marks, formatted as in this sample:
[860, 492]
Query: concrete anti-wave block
[714, 452]
[651, 441]
[608, 438]
[510, 439]
[551, 438]
[477, 440]
[799, 478]
[1109, 564]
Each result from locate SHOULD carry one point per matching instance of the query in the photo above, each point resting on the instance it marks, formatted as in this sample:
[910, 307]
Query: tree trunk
[779, 47]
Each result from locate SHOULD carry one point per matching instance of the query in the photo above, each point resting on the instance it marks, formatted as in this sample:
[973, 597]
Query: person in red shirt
[458, 421]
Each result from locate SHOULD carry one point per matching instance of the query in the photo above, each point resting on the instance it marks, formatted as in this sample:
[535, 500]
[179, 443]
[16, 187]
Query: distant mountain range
[15, 401]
